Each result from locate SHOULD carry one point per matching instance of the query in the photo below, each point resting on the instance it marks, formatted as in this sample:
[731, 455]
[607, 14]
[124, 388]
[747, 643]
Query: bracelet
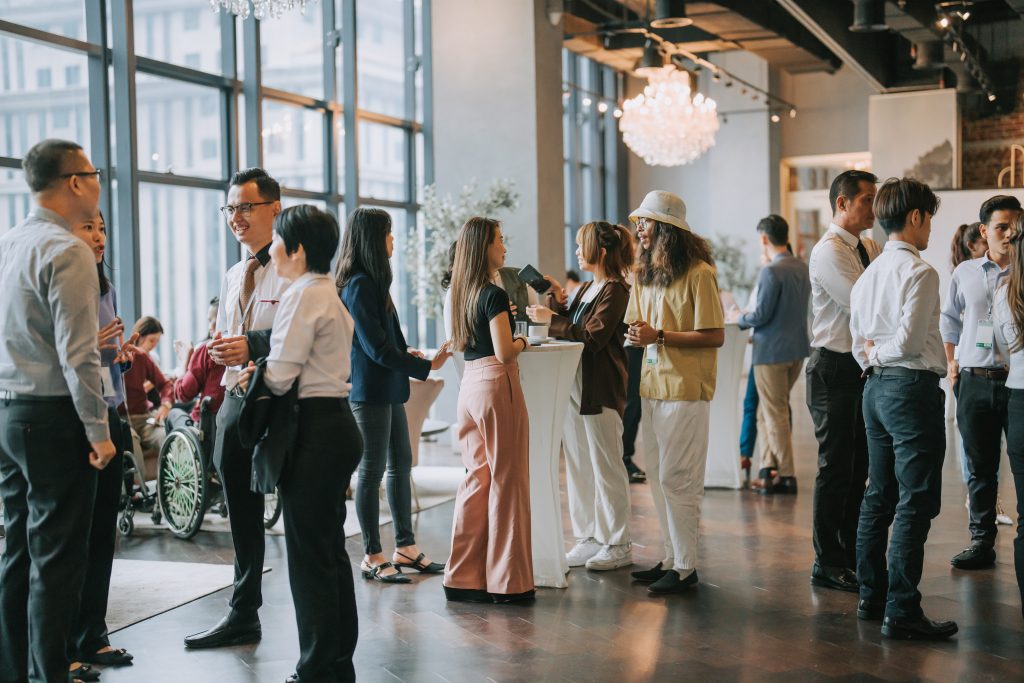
[661, 337]
[524, 340]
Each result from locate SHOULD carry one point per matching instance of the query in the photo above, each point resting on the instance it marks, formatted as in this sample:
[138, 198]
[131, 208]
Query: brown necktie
[248, 288]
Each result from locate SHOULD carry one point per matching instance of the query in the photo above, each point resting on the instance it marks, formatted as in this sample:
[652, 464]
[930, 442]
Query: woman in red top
[145, 376]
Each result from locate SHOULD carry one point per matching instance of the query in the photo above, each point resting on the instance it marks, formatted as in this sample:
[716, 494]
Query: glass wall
[210, 94]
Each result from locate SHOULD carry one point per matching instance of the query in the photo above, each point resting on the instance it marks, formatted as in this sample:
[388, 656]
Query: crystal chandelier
[261, 9]
[663, 125]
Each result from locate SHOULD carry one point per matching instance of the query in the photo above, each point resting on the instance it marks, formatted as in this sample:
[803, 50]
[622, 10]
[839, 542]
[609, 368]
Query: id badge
[983, 339]
[107, 382]
[652, 354]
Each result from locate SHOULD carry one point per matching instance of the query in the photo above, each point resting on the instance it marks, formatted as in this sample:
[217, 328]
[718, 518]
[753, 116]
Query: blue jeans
[748, 430]
[385, 433]
[903, 415]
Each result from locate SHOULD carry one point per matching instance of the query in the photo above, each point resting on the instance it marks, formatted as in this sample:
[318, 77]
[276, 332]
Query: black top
[493, 302]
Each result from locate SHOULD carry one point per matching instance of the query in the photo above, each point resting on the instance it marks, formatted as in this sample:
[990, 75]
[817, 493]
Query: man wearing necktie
[249, 295]
[834, 382]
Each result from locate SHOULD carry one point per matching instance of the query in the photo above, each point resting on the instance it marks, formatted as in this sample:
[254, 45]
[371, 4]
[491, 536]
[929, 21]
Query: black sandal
[84, 673]
[417, 564]
[120, 657]
[373, 573]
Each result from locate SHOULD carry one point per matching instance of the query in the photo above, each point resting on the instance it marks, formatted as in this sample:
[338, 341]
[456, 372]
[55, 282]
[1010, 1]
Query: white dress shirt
[1006, 333]
[834, 266]
[312, 340]
[896, 305]
[971, 299]
[263, 305]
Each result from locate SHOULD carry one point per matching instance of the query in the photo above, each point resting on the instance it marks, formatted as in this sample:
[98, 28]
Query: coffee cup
[538, 332]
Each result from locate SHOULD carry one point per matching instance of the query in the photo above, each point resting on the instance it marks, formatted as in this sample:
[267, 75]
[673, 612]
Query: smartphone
[533, 277]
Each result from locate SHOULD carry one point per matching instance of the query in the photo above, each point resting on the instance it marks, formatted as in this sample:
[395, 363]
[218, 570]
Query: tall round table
[547, 373]
[723, 463]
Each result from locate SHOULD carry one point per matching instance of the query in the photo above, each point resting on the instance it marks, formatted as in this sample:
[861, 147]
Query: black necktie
[863, 254]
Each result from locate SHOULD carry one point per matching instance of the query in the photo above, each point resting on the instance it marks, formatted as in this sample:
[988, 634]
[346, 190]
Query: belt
[999, 374]
[899, 371]
[11, 396]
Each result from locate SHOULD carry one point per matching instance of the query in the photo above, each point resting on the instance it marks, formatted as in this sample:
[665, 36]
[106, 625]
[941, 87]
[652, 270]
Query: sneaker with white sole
[1001, 516]
[584, 549]
[611, 557]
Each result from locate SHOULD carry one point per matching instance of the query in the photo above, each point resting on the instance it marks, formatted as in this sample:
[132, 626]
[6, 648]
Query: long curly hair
[672, 254]
[1015, 283]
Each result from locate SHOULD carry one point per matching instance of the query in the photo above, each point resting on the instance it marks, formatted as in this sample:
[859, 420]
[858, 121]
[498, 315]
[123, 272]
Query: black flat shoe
[84, 673]
[372, 573]
[419, 565]
[649, 575]
[504, 598]
[870, 611]
[975, 557]
[234, 629]
[671, 583]
[119, 657]
[294, 678]
[467, 595]
[921, 628]
[786, 485]
[836, 578]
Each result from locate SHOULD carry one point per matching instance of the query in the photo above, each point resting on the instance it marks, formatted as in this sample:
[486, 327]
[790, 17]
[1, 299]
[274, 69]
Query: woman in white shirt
[310, 344]
[1009, 319]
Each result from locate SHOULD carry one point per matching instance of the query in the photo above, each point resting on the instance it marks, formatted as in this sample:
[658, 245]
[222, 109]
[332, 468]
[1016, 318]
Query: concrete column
[497, 73]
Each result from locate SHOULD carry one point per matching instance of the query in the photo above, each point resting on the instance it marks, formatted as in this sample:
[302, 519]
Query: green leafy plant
[734, 272]
[440, 219]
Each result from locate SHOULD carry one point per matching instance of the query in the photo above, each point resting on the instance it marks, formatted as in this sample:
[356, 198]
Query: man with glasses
[249, 295]
[53, 417]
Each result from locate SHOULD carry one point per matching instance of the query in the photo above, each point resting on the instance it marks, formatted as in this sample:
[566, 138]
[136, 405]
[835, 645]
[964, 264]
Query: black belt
[900, 371]
[12, 397]
[999, 374]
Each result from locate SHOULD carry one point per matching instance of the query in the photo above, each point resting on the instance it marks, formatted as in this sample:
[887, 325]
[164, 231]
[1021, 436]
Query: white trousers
[598, 484]
[675, 443]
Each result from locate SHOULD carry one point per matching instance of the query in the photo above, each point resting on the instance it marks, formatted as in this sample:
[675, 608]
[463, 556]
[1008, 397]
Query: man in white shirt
[979, 376]
[894, 322]
[834, 382]
[249, 296]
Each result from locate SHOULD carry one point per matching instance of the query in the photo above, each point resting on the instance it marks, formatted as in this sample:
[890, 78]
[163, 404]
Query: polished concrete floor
[754, 616]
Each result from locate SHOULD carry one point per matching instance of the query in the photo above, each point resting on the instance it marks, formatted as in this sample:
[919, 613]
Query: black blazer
[381, 362]
[269, 425]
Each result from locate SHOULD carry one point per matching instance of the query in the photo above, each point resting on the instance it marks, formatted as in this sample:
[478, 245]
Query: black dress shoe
[836, 578]
[503, 598]
[649, 575]
[671, 583]
[975, 557]
[466, 595]
[786, 485]
[870, 611]
[921, 628]
[234, 629]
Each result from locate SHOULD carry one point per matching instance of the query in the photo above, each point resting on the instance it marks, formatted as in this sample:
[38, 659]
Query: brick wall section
[986, 146]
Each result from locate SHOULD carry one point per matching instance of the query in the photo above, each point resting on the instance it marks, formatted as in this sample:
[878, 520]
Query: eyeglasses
[96, 172]
[244, 209]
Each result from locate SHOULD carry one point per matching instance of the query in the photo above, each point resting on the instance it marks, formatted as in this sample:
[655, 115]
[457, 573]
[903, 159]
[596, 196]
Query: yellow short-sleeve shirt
[690, 303]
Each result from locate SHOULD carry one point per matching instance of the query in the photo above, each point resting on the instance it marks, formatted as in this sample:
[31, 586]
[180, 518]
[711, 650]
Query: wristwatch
[661, 337]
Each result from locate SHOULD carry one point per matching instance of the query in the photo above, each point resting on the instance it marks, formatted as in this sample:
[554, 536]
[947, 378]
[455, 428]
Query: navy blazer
[381, 362]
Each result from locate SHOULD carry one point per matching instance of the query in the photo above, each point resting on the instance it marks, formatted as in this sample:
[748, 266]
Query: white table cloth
[723, 465]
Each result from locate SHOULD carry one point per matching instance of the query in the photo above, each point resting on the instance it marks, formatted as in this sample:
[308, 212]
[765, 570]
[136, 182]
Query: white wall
[832, 113]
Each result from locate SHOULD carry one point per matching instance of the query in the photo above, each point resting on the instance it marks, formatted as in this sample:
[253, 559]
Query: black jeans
[1015, 449]
[48, 489]
[834, 393]
[89, 631]
[385, 433]
[245, 508]
[631, 416]
[905, 421]
[312, 491]
[981, 414]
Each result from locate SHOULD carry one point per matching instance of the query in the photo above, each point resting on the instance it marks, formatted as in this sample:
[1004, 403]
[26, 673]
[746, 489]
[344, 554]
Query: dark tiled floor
[754, 616]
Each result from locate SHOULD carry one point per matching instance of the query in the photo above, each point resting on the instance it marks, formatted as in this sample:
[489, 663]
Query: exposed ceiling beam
[686, 34]
[777, 20]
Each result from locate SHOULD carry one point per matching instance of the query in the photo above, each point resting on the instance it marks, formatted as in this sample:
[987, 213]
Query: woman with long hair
[90, 642]
[675, 313]
[597, 483]
[382, 364]
[968, 243]
[1009, 319]
[492, 558]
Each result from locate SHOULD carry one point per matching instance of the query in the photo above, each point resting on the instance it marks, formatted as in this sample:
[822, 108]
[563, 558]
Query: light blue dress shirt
[780, 317]
[971, 298]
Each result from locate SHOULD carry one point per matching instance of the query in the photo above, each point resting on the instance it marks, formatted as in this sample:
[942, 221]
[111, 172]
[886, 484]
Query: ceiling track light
[869, 16]
[651, 61]
[670, 14]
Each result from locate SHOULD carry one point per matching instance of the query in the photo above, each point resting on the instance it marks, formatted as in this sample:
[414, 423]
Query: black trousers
[89, 631]
[1015, 443]
[631, 416]
[312, 490]
[245, 508]
[981, 414]
[834, 391]
[48, 488]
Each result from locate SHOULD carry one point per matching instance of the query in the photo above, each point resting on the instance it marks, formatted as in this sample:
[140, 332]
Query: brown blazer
[601, 330]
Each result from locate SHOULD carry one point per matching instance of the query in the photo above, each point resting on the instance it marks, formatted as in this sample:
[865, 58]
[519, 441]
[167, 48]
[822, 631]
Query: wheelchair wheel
[271, 509]
[181, 483]
[126, 522]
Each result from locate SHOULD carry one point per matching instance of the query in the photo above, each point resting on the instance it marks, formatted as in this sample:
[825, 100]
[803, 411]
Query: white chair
[421, 397]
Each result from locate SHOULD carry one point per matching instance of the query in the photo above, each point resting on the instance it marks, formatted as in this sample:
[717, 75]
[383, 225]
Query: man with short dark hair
[249, 296]
[779, 320]
[53, 417]
[978, 376]
[834, 382]
[894, 323]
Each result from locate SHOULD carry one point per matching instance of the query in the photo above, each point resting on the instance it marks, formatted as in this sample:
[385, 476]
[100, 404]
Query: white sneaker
[1001, 516]
[611, 557]
[584, 549]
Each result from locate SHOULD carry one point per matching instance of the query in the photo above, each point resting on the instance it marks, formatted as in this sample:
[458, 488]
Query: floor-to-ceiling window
[170, 99]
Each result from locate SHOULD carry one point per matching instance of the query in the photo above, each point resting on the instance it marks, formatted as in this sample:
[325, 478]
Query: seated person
[202, 378]
[145, 418]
